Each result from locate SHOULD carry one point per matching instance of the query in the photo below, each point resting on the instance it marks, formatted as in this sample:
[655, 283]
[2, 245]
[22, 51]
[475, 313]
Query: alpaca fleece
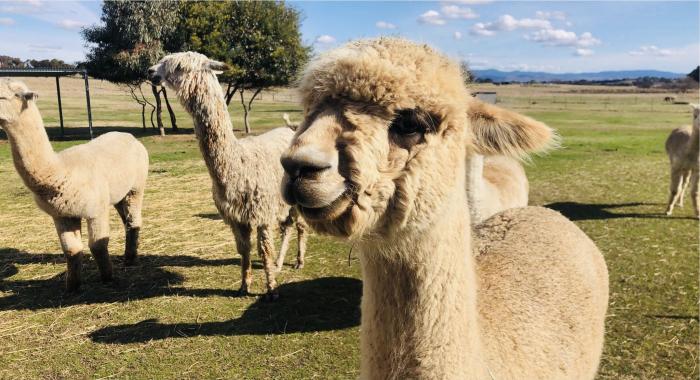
[682, 149]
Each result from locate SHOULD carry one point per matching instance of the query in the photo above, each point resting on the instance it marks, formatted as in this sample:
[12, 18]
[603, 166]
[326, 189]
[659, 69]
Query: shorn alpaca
[380, 159]
[81, 182]
[245, 173]
[498, 182]
[682, 149]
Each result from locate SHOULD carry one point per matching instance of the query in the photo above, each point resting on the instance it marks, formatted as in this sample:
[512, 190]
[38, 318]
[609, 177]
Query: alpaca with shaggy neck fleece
[81, 182]
[245, 173]
[380, 160]
[683, 154]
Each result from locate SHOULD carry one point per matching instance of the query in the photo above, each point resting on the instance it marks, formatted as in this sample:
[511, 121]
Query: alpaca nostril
[303, 167]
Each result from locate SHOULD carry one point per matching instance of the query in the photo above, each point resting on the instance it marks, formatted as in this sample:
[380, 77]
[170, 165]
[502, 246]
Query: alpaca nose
[306, 163]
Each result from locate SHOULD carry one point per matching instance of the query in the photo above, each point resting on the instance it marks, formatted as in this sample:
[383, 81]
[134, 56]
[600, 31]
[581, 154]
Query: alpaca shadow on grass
[147, 279]
[210, 216]
[322, 304]
[594, 211]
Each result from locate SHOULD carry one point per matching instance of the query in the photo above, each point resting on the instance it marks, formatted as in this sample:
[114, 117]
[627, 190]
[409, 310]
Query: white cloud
[508, 23]
[581, 52]
[457, 35]
[385, 25]
[471, 2]
[455, 11]
[551, 15]
[70, 24]
[325, 39]
[6, 21]
[561, 37]
[431, 17]
[652, 50]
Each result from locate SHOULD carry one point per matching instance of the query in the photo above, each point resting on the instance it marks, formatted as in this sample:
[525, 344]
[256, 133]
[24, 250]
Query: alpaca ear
[498, 131]
[217, 67]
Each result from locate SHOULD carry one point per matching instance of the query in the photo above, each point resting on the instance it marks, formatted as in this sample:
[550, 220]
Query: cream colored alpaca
[245, 173]
[81, 182]
[682, 149]
[379, 160]
[497, 182]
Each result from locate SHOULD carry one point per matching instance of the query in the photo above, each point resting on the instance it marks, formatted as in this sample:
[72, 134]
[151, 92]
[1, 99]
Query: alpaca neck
[419, 312]
[475, 184]
[202, 97]
[695, 139]
[32, 153]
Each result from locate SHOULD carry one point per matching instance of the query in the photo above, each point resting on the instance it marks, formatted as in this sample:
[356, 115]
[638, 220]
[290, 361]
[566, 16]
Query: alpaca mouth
[329, 212]
[155, 80]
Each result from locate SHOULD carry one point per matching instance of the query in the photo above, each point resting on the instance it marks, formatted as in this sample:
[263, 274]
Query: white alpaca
[81, 182]
[379, 159]
[245, 173]
[682, 149]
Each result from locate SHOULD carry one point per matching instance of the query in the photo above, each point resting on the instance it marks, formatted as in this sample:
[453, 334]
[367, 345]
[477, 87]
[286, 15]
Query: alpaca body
[683, 154]
[495, 183]
[525, 300]
[245, 173]
[81, 182]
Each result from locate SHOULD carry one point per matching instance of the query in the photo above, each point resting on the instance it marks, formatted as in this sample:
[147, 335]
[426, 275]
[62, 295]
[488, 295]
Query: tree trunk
[159, 110]
[248, 107]
[143, 116]
[245, 113]
[173, 121]
[230, 92]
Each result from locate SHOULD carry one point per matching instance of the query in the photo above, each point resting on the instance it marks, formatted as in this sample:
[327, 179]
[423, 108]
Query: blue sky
[549, 36]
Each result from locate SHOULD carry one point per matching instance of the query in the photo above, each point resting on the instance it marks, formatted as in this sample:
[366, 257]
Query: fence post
[60, 106]
[87, 96]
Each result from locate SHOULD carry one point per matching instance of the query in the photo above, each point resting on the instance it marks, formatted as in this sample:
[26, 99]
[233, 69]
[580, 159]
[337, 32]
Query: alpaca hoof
[72, 287]
[271, 296]
[130, 261]
[299, 266]
[668, 213]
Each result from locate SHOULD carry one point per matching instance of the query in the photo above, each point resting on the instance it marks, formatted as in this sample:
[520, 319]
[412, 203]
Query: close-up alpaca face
[13, 99]
[171, 69]
[354, 169]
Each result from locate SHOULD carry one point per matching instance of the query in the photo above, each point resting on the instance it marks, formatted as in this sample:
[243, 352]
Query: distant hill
[526, 76]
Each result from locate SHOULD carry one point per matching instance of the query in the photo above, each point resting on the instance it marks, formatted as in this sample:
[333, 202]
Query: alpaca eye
[405, 124]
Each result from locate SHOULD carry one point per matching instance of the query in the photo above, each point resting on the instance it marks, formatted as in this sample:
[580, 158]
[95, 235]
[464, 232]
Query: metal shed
[56, 73]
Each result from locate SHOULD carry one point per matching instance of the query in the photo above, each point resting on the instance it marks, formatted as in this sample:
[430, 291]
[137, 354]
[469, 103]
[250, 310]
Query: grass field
[175, 315]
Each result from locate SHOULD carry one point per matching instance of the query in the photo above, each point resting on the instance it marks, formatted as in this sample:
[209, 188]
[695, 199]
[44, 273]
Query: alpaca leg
[242, 234]
[286, 228]
[266, 249]
[685, 181]
[674, 188]
[302, 230]
[694, 179]
[69, 234]
[130, 211]
[98, 241]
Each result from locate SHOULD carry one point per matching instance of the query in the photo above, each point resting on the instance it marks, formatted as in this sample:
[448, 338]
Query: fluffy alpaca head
[14, 99]
[175, 69]
[696, 115]
[384, 139]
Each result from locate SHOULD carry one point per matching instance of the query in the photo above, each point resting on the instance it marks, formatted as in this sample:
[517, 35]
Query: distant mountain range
[526, 76]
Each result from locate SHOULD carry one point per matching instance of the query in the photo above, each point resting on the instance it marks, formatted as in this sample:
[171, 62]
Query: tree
[134, 35]
[695, 74]
[260, 41]
[466, 72]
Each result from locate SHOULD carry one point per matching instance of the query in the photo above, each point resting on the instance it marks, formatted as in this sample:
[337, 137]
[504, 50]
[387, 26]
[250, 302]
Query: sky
[551, 36]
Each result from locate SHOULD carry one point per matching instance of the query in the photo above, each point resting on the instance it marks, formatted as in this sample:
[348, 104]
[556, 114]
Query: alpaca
[81, 182]
[494, 184]
[289, 123]
[682, 149]
[498, 182]
[379, 160]
[245, 173]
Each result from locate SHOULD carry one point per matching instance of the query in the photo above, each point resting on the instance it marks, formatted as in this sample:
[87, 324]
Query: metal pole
[87, 96]
[60, 107]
